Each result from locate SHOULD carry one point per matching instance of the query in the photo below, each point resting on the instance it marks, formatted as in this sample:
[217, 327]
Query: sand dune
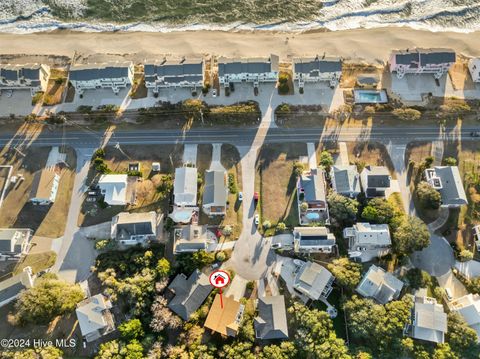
[371, 45]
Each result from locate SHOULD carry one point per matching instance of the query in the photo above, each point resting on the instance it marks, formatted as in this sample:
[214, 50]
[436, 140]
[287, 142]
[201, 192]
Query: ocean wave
[431, 15]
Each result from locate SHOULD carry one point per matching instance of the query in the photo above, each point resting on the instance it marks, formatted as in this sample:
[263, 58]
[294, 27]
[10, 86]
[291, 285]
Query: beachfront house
[447, 180]
[192, 238]
[428, 321]
[189, 293]
[317, 69]
[134, 228]
[313, 240]
[174, 73]
[111, 75]
[367, 241]
[215, 193]
[45, 186]
[474, 68]
[313, 281]
[11, 288]
[468, 307]
[255, 70]
[375, 181]
[380, 285]
[422, 61]
[94, 317]
[271, 322]
[14, 242]
[312, 198]
[225, 319]
[18, 77]
[345, 180]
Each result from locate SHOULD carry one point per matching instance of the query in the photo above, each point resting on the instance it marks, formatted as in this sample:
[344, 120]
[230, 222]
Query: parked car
[256, 219]
[475, 134]
[276, 245]
[256, 196]
[214, 92]
[215, 265]
[232, 86]
[240, 196]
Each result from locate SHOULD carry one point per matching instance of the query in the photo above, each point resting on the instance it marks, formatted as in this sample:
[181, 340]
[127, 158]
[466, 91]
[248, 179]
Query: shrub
[232, 183]
[131, 329]
[428, 196]
[84, 109]
[267, 224]
[465, 255]
[449, 161]
[227, 230]
[280, 227]
[100, 152]
[298, 168]
[250, 285]
[221, 256]
[102, 244]
[283, 87]
[135, 173]
[407, 114]
[37, 97]
[284, 108]
[102, 168]
[369, 110]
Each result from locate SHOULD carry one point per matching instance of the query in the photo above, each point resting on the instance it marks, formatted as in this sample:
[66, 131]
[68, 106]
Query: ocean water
[26, 16]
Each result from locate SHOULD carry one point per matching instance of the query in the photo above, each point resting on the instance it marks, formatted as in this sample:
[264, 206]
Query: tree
[412, 235]
[315, 337]
[131, 329]
[418, 278]
[342, 209]
[449, 161]
[280, 227]
[462, 338]
[443, 351]
[227, 230]
[163, 268]
[298, 168]
[465, 255]
[378, 210]
[50, 297]
[109, 350]
[267, 224]
[133, 350]
[221, 256]
[407, 114]
[285, 350]
[428, 196]
[198, 260]
[346, 273]
[48, 352]
[326, 160]
[162, 316]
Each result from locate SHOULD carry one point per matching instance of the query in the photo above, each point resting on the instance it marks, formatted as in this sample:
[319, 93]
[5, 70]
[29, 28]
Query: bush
[227, 230]
[102, 168]
[232, 183]
[465, 255]
[283, 87]
[428, 196]
[102, 244]
[250, 285]
[283, 108]
[449, 161]
[407, 114]
[84, 109]
[131, 329]
[221, 256]
[37, 97]
[135, 173]
[369, 110]
[267, 224]
[100, 152]
[280, 227]
[298, 168]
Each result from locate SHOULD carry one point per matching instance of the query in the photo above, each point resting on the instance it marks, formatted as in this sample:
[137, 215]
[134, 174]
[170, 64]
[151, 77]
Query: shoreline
[372, 45]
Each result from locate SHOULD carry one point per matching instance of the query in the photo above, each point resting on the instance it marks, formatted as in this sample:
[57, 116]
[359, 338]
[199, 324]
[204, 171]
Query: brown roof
[223, 321]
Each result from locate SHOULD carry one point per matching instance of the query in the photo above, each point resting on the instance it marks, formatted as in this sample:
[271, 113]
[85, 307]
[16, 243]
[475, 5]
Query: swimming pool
[370, 96]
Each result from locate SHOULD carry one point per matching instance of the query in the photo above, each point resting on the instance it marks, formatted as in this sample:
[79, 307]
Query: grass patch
[55, 87]
[38, 262]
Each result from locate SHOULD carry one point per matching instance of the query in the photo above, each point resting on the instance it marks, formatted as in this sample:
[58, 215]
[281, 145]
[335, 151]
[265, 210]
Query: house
[380, 285]
[45, 186]
[313, 240]
[94, 317]
[185, 187]
[428, 321]
[189, 293]
[312, 191]
[111, 75]
[114, 189]
[375, 181]
[215, 193]
[134, 228]
[422, 61]
[367, 241]
[225, 320]
[172, 73]
[313, 281]
[345, 180]
[474, 68]
[14, 242]
[317, 69]
[17, 77]
[476, 236]
[192, 238]
[447, 181]
[11, 288]
[468, 307]
[255, 70]
[271, 322]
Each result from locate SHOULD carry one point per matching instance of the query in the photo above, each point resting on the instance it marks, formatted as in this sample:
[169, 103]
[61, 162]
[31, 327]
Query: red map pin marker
[219, 279]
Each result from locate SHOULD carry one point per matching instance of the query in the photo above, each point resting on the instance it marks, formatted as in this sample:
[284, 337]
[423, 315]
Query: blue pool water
[370, 96]
[312, 216]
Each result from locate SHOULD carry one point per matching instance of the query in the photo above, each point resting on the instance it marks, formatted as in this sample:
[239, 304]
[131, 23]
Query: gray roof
[380, 285]
[452, 191]
[430, 320]
[189, 293]
[11, 287]
[185, 185]
[314, 236]
[215, 191]
[317, 65]
[424, 57]
[92, 72]
[175, 69]
[190, 238]
[11, 291]
[312, 279]
[378, 177]
[313, 185]
[346, 178]
[271, 322]
[252, 66]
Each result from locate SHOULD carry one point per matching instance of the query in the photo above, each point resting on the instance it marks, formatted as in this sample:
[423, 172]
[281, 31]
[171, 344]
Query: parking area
[18, 102]
[97, 98]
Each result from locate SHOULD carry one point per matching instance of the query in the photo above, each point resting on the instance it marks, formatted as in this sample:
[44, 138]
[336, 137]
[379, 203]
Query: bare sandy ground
[373, 45]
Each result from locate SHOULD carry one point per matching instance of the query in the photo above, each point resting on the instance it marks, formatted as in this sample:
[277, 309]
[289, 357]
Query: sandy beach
[372, 45]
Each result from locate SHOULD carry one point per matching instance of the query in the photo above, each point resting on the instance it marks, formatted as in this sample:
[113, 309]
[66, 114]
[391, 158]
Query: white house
[112, 75]
[255, 70]
[468, 307]
[380, 285]
[422, 61]
[367, 241]
[313, 240]
[215, 193]
[313, 281]
[185, 187]
[311, 189]
[114, 189]
[192, 238]
[94, 317]
[134, 228]
[376, 180]
[447, 181]
[16, 77]
[14, 242]
[317, 69]
[474, 68]
[345, 180]
[171, 73]
[11, 288]
[45, 186]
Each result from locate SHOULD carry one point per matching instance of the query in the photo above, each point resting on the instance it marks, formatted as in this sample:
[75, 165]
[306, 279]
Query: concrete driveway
[470, 269]
[437, 259]
[448, 280]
